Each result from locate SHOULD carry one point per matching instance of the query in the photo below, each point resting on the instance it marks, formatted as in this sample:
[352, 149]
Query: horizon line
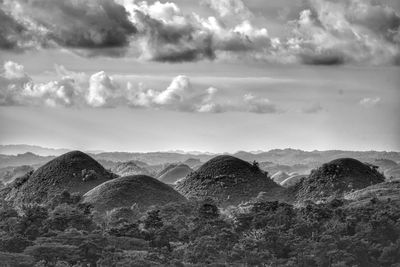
[190, 152]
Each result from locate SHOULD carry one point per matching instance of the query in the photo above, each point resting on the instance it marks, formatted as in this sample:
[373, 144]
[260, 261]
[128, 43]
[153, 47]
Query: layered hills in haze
[225, 178]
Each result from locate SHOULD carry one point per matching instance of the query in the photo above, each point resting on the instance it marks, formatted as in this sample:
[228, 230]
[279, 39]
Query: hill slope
[337, 177]
[125, 191]
[228, 180]
[174, 174]
[387, 191]
[279, 177]
[129, 168]
[74, 171]
[166, 169]
[9, 174]
[393, 173]
[292, 180]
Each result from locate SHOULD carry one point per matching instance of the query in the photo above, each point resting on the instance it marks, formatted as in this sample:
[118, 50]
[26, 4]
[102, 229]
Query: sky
[216, 76]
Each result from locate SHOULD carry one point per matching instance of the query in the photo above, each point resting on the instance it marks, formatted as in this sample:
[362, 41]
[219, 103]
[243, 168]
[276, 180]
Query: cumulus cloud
[313, 108]
[368, 102]
[99, 90]
[325, 32]
[180, 95]
[170, 37]
[166, 34]
[102, 90]
[259, 105]
[18, 88]
[13, 70]
[229, 8]
[335, 32]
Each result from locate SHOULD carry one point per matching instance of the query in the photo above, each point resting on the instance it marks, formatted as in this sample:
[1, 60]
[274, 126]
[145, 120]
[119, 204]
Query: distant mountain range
[17, 155]
[38, 150]
[284, 155]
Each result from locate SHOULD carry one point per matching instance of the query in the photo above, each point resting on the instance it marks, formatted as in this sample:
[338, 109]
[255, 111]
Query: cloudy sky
[206, 75]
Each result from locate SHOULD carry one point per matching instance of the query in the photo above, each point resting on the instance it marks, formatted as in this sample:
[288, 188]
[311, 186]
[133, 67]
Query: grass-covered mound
[74, 171]
[193, 163]
[174, 174]
[9, 174]
[292, 180]
[279, 177]
[143, 190]
[337, 177]
[393, 173]
[228, 180]
[387, 191]
[166, 169]
[129, 168]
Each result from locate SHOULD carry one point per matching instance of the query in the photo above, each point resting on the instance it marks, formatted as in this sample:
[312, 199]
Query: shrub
[53, 252]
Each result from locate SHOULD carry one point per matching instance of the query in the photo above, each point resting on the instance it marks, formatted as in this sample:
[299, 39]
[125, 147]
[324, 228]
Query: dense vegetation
[336, 217]
[198, 233]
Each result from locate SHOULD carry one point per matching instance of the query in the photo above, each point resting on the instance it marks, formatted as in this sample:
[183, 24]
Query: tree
[255, 166]
[31, 222]
[153, 220]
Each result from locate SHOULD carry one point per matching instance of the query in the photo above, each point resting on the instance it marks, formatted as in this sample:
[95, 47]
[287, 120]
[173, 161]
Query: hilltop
[279, 177]
[334, 178]
[292, 180]
[126, 191]
[171, 175]
[130, 168]
[74, 171]
[193, 163]
[228, 180]
[386, 192]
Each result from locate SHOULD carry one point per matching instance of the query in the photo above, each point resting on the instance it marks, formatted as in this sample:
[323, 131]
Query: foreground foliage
[198, 233]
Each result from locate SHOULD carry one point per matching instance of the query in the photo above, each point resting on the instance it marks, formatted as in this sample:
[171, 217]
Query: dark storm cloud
[11, 31]
[75, 24]
[173, 42]
[327, 58]
[323, 32]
